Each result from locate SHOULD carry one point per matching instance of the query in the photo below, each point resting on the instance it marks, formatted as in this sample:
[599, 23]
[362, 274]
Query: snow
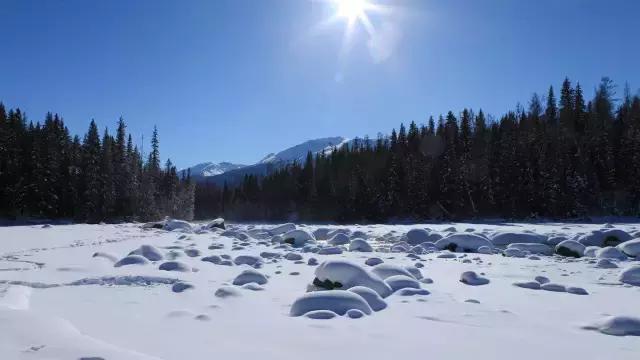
[601, 237]
[532, 248]
[506, 238]
[59, 301]
[631, 247]
[610, 253]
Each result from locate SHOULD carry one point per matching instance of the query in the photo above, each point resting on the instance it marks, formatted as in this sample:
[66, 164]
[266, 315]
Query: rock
[371, 297]
[293, 256]
[570, 248]
[414, 271]
[227, 291]
[131, 260]
[320, 315]
[532, 248]
[610, 253]
[533, 285]
[514, 252]
[471, 278]
[339, 239]
[606, 264]
[542, 279]
[251, 260]
[355, 314]
[174, 266]
[417, 236]
[398, 282]
[270, 255]
[630, 248]
[360, 245]
[250, 276]
[337, 301]
[373, 261]
[630, 275]
[312, 262]
[180, 287]
[148, 251]
[347, 275]
[321, 233]
[281, 229]
[331, 250]
[553, 287]
[577, 290]
[463, 243]
[412, 292]
[617, 325]
[192, 252]
[215, 259]
[485, 250]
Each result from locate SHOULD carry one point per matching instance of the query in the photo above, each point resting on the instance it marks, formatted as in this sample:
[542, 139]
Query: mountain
[208, 169]
[232, 174]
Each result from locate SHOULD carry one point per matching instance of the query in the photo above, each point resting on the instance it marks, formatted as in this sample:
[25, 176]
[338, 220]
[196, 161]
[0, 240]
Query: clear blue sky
[235, 79]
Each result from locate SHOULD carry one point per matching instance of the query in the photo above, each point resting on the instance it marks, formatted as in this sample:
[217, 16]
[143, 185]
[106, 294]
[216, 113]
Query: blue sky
[236, 79]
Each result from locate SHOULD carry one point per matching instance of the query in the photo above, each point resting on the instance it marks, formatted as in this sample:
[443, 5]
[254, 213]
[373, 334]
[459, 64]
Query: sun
[351, 9]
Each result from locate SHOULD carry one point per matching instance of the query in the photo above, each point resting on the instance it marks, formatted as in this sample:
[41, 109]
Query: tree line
[47, 173]
[556, 158]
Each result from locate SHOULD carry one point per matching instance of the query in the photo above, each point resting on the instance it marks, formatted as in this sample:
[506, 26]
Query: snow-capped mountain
[232, 173]
[208, 169]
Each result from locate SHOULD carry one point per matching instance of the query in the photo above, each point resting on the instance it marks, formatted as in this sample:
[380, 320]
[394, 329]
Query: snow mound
[348, 275]
[126, 280]
[617, 325]
[227, 291]
[570, 248]
[216, 224]
[385, 271]
[609, 237]
[419, 236]
[606, 264]
[250, 276]
[337, 301]
[174, 266]
[398, 282]
[514, 252]
[355, 314]
[590, 251]
[630, 275]
[533, 285]
[148, 251]
[173, 224]
[360, 245]
[298, 238]
[312, 262]
[293, 256]
[610, 253]
[471, 278]
[371, 297]
[215, 259]
[463, 243]
[192, 252]
[507, 238]
[252, 286]
[414, 271]
[532, 248]
[542, 279]
[339, 239]
[131, 260]
[631, 247]
[251, 260]
[447, 255]
[321, 233]
[412, 292]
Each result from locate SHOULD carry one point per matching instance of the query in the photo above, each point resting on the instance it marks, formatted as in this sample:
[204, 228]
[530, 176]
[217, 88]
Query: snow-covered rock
[148, 251]
[576, 290]
[337, 301]
[630, 275]
[321, 233]
[570, 248]
[348, 275]
[251, 260]
[617, 326]
[320, 315]
[360, 245]
[631, 247]
[174, 224]
[227, 292]
[371, 297]
[605, 237]
[533, 285]
[373, 261]
[339, 239]
[514, 252]
[553, 287]
[506, 238]
[282, 229]
[385, 270]
[463, 242]
[217, 224]
[532, 248]
[131, 260]
[174, 266]
[298, 238]
[590, 251]
[330, 250]
[610, 253]
[471, 278]
[293, 256]
[606, 264]
[398, 282]
[250, 276]
[418, 236]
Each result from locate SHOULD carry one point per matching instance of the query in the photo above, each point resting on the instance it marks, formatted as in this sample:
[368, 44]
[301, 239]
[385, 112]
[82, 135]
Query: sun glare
[351, 9]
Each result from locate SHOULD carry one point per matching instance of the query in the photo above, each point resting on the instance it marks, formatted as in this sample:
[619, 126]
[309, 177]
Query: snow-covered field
[71, 292]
